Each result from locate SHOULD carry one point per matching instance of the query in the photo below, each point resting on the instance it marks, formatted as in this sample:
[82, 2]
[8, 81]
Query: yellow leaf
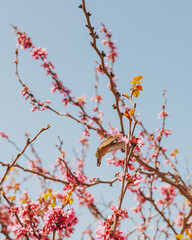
[70, 201]
[135, 93]
[137, 80]
[179, 236]
[132, 111]
[176, 150]
[70, 193]
[12, 198]
[81, 99]
[53, 204]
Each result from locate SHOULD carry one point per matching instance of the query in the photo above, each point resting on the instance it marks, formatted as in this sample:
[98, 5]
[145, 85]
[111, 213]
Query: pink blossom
[163, 131]
[97, 98]
[136, 209]
[163, 114]
[58, 219]
[84, 141]
[168, 193]
[92, 179]
[23, 40]
[83, 116]
[179, 219]
[131, 166]
[4, 135]
[99, 68]
[111, 52]
[100, 116]
[95, 109]
[39, 52]
[104, 229]
[86, 199]
[117, 161]
[47, 66]
[86, 132]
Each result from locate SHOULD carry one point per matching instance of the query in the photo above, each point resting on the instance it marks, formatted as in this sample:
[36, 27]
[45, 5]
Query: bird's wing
[116, 146]
[104, 148]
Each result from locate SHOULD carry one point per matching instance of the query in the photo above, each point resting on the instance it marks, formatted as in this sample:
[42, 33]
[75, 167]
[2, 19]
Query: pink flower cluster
[168, 193]
[179, 218]
[39, 52]
[5, 219]
[162, 132]
[37, 104]
[133, 179]
[28, 214]
[111, 53]
[56, 219]
[97, 98]
[163, 114]
[85, 199]
[104, 230]
[100, 69]
[23, 40]
[48, 66]
[36, 166]
[117, 161]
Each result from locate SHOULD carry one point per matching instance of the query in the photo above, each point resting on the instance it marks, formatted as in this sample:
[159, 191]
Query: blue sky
[153, 39]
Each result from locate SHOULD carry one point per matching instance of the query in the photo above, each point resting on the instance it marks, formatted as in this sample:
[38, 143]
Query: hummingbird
[110, 144]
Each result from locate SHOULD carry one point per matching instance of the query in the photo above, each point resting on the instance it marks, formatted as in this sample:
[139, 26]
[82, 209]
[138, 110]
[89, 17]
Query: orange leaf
[138, 88]
[176, 150]
[126, 114]
[125, 95]
[187, 232]
[173, 154]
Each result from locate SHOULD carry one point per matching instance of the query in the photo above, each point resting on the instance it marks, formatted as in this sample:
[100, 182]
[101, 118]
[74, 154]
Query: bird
[110, 144]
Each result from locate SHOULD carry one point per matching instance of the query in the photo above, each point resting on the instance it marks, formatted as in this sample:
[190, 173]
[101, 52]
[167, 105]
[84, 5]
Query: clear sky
[154, 39]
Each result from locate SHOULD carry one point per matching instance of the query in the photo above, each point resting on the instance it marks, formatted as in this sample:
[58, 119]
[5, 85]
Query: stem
[22, 152]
